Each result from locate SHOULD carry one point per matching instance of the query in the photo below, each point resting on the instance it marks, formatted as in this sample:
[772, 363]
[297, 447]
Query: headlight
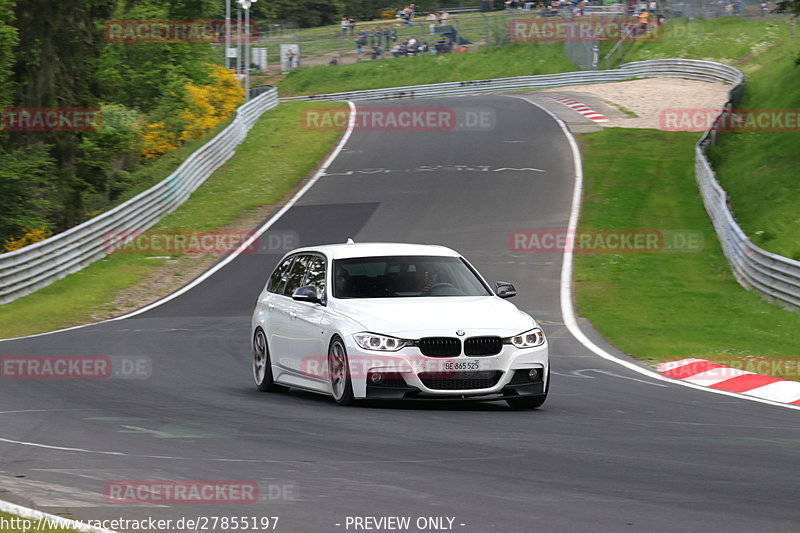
[381, 343]
[529, 339]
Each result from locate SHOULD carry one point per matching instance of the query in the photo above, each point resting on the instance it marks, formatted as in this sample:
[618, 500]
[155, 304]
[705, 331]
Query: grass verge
[277, 154]
[490, 62]
[664, 306]
[759, 170]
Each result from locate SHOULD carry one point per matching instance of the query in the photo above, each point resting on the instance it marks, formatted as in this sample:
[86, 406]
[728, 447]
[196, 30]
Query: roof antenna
[350, 241]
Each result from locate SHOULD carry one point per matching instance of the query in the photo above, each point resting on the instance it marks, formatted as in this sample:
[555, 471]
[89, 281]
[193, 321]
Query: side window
[295, 277]
[316, 274]
[278, 275]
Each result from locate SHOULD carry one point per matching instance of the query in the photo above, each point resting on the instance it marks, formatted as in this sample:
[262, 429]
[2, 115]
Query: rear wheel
[262, 366]
[339, 372]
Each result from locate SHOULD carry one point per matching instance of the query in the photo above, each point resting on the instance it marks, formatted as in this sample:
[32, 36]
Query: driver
[342, 282]
[431, 279]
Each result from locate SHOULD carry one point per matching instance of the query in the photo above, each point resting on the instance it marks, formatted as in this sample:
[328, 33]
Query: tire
[527, 403]
[262, 364]
[339, 373]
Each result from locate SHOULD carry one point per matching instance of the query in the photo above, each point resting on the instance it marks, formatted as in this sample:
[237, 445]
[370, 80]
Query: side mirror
[504, 289]
[307, 294]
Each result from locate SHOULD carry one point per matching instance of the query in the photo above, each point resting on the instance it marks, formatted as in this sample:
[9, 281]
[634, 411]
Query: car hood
[416, 317]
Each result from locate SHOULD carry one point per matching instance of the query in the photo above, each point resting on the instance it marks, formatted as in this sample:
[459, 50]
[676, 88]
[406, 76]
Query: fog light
[376, 378]
[533, 374]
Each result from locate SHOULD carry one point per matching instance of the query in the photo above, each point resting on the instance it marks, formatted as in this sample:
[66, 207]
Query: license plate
[462, 365]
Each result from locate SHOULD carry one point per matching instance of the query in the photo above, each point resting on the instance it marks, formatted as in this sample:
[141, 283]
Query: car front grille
[440, 346]
[483, 346]
[460, 380]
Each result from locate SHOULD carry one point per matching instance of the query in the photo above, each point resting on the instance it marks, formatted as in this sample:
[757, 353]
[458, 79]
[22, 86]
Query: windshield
[405, 276]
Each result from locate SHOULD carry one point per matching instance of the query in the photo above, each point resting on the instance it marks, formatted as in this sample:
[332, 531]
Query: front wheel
[262, 365]
[339, 373]
[524, 403]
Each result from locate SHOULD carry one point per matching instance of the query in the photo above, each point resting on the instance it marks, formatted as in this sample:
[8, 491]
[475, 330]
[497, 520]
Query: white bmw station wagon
[395, 321]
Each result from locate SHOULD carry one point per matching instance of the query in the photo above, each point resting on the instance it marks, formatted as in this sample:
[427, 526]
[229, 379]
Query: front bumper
[407, 374]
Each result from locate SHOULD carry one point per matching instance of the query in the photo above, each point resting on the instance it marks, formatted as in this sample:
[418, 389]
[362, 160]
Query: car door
[274, 323]
[283, 343]
[307, 322]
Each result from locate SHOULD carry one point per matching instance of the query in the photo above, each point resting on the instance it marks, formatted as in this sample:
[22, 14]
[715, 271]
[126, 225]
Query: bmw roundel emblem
[460, 332]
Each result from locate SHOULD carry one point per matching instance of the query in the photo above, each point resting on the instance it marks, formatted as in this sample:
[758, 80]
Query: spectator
[361, 42]
[644, 18]
[763, 9]
[443, 16]
[351, 24]
[432, 18]
[345, 22]
[289, 59]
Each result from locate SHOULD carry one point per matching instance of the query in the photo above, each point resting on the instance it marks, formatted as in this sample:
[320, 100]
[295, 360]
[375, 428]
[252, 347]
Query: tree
[23, 185]
[791, 7]
[8, 40]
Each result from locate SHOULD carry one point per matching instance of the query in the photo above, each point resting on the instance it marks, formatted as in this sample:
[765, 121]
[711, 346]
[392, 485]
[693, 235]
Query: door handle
[292, 314]
[271, 306]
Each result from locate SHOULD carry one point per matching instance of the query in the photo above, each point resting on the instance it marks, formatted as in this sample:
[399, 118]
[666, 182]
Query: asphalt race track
[611, 450]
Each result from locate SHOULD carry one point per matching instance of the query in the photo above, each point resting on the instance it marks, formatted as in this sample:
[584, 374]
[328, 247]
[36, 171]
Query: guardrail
[30, 268]
[676, 68]
[774, 276]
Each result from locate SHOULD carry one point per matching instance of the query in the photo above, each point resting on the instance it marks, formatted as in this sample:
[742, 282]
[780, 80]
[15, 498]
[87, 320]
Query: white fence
[28, 269]
[25, 270]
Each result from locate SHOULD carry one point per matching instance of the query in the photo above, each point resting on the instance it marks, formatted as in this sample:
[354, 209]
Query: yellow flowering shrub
[29, 236]
[211, 104]
[156, 140]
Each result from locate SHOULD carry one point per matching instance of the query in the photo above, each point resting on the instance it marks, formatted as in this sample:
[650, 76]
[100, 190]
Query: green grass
[731, 40]
[666, 305]
[759, 170]
[490, 62]
[34, 524]
[277, 154]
